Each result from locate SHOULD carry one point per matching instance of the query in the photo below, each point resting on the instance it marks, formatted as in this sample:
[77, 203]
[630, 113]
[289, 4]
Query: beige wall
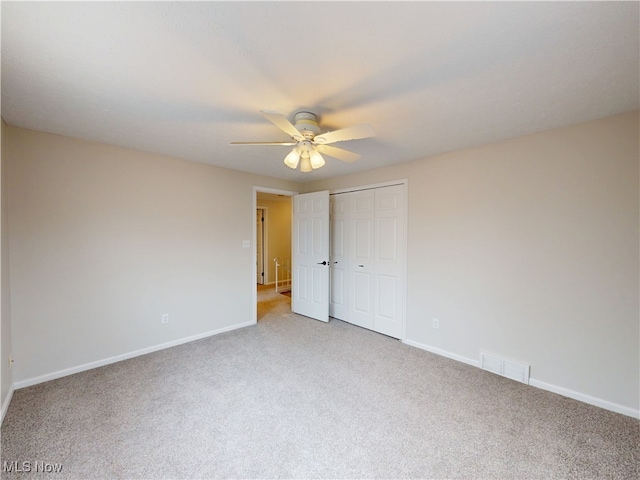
[528, 248]
[6, 377]
[278, 230]
[105, 240]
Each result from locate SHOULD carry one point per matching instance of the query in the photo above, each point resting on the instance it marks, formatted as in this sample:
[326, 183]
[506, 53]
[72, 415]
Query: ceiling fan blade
[280, 121]
[288, 144]
[339, 153]
[349, 133]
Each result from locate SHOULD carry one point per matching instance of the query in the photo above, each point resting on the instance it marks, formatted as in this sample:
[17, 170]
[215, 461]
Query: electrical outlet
[10, 361]
[436, 323]
[165, 319]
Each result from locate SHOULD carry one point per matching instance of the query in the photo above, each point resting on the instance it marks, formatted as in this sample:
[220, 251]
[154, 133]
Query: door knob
[322, 263]
[361, 266]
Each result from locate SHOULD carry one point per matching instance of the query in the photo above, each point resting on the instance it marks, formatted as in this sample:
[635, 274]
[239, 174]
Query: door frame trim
[254, 251]
[391, 183]
[265, 244]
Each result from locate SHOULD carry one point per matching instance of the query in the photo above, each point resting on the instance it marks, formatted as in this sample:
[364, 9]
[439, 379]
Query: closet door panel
[387, 296]
[362, 288]
[388, 240]
[339, 257]
[362, 258]
[389, 260]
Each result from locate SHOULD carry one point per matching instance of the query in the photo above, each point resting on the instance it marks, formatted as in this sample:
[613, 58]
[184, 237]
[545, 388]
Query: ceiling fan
[308, 143]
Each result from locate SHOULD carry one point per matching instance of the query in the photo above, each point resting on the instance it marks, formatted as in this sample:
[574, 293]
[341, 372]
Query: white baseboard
[125, 356]
[443, 353]
[582, 397]
[5, 404]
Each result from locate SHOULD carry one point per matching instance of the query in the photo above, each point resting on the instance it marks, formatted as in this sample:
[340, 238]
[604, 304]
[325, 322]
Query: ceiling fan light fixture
[309, 142]
[291, 160]
[305, 164]
[316, 159]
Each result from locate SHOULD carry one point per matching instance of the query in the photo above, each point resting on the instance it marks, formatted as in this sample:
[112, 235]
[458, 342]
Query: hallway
[272, 303]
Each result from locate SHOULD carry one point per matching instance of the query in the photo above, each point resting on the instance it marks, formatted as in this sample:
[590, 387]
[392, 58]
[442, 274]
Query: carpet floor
[291, 397]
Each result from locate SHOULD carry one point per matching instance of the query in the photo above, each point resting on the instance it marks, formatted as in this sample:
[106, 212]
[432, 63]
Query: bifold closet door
[368, 258]
[390, 245]
[362, 258]
[339, 259]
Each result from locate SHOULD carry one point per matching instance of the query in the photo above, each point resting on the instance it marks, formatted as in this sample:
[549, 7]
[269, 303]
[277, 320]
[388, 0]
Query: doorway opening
[272, 250]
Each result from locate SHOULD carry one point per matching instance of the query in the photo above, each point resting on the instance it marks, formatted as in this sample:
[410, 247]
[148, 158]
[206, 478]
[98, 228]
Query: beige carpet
[295, 398]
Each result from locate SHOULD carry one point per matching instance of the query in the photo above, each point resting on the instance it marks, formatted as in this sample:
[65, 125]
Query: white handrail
[283, 277]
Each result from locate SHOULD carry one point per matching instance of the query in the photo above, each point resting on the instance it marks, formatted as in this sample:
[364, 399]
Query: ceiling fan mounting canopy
[307, 124]
[309, 142]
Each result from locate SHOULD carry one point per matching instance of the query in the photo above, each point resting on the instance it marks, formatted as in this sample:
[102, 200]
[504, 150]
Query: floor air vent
[507, 368]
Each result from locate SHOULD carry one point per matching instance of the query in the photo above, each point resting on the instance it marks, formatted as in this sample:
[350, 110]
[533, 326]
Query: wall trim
[582, 397]
[565, 392]
[443, 353]
[125, 356]
[5, 404]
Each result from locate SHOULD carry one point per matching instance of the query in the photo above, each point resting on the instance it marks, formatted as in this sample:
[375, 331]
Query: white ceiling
[185, 79]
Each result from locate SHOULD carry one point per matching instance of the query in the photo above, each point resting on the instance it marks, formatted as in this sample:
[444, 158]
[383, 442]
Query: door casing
[261, 246]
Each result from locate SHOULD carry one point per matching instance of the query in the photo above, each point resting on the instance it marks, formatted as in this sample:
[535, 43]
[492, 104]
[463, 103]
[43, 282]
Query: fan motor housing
[307, 124]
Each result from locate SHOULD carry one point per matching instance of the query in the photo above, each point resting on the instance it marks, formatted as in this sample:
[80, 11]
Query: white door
[260, 246]
[373, 252]
[362, 258]
[310, 288]
[390, 263]
[339, 258]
